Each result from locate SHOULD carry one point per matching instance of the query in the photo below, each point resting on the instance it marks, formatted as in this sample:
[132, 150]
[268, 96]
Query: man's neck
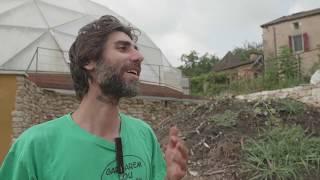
[99, 115]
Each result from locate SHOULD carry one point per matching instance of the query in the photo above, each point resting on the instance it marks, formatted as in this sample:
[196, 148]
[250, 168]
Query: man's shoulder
[140, 128]
[132, 121]
[40, 131]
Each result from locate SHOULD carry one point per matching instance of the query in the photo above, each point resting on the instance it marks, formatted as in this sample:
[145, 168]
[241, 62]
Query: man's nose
[137, 56]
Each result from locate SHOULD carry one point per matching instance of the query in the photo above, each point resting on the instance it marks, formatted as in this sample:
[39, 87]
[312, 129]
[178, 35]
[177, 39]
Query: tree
[190, 59]
[195, 65]
[247, 49]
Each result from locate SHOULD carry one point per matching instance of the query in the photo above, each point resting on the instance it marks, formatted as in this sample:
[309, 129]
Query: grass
[226, 119]
[281, 153]
[292, 107]
[266, 108]
[272, 109]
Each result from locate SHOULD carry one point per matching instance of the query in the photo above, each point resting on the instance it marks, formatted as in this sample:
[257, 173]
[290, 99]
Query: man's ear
[90, 66]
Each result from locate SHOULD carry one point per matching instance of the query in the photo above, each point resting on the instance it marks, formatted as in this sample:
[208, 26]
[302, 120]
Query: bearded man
[96, 141]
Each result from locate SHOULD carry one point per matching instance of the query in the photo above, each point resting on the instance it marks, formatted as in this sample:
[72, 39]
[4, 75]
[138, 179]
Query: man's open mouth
[134, 72]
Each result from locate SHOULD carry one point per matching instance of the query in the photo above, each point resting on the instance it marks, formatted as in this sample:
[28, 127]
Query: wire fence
[53, 61]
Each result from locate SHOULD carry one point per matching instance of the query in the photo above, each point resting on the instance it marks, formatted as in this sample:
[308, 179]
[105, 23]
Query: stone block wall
[309, 94]
[154, 111]
[35, 105]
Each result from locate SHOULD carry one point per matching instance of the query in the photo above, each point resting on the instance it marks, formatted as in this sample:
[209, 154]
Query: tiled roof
[230, 61]
[293, 17]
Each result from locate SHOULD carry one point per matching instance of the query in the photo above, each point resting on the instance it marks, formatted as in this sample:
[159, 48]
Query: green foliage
[271, 109]
[209, 84]
[218, 78]
[197, 84]
[244, 86]
[280, 72]
[226, 119]
[271, 73]
[265, 108]
[281, 153]
[195, 65]
[247, 49]
[292, 107]
[288, 64]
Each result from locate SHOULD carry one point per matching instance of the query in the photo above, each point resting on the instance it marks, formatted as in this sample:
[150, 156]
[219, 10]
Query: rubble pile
[215, 132]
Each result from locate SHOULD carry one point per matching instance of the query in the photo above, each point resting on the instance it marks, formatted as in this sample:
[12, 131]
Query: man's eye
[122, 48]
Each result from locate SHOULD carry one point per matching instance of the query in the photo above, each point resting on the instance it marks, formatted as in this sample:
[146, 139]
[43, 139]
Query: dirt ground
[216, 131]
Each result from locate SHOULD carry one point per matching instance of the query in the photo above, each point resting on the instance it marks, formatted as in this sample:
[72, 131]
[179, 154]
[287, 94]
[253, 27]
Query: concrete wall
[276, 36]
[309, 94]
[7, 99]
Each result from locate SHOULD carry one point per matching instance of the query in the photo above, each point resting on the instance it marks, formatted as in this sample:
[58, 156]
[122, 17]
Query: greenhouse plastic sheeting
[39, 33]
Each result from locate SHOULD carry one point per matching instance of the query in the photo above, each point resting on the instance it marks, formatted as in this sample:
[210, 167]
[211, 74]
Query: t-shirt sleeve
[14, 166]
[158, 163]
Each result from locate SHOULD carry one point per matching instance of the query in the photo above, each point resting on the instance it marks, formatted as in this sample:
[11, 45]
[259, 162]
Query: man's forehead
[117, 37]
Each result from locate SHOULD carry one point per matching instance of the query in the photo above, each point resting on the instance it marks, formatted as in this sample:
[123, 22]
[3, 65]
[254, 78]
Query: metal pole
[299, 67]
[275, 41]
[159, 74]
[37, 59]
[31, 61]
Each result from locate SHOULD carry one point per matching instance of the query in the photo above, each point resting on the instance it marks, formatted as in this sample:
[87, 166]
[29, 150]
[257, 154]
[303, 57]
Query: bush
[215, 82]
[197, 83]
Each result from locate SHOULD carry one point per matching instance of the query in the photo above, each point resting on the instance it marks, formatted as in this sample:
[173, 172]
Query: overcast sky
[213, 26]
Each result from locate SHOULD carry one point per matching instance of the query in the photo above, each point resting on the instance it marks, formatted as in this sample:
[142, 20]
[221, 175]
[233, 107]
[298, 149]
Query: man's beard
[112, 85]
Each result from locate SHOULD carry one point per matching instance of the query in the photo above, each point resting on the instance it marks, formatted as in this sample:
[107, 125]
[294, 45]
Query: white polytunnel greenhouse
[36, 35]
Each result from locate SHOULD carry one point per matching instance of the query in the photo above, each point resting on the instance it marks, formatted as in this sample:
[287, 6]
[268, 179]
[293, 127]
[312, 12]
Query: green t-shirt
[61, 150]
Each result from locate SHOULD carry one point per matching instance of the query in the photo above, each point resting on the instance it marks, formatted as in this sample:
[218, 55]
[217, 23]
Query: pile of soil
[216, 131]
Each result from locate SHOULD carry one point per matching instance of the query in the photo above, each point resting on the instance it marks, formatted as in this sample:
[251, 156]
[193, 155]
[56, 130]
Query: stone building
[300, 32]
[237, 68]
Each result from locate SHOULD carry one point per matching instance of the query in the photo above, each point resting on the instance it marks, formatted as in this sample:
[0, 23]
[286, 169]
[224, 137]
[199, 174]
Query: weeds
[226, 119]
[273, 108]
[292, 107]
[265, 108]
[281, 153]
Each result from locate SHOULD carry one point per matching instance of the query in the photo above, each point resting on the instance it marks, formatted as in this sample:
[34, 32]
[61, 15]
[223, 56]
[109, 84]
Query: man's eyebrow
[126, 43]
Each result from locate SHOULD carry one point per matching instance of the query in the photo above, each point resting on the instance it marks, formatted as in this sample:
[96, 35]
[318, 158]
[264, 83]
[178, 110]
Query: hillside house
[300, 32]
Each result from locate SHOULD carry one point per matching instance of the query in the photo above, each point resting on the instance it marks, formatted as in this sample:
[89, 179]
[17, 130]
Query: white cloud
[176, 43]
[214, 26]
[303, 5]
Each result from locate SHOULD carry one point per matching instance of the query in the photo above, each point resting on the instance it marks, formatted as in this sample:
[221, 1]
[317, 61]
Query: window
[297, 43]
[296, 25]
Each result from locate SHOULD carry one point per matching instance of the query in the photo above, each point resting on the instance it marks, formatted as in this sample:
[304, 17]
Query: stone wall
[35, 105]
[309, 94]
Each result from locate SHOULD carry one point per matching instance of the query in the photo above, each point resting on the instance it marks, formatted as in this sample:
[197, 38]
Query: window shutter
[290, 42]
[306, 42]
